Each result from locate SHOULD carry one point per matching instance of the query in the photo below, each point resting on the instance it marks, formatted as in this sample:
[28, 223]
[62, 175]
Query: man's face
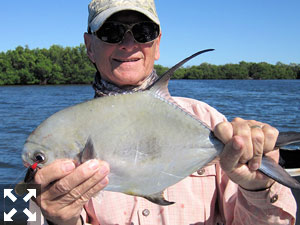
[127, 63]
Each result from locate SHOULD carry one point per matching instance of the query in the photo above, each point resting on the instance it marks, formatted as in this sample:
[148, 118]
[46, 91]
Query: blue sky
[251, 31]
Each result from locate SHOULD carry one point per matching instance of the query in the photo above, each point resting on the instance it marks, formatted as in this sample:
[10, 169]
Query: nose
[128, 42]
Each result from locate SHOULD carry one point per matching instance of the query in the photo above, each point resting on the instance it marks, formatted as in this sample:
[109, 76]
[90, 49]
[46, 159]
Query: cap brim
[103, 16]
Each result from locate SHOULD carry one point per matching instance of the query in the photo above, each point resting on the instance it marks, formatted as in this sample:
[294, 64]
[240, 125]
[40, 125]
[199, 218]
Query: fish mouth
[26, 164]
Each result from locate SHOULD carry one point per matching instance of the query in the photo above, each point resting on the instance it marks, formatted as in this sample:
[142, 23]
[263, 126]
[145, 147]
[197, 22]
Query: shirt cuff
[275, 196]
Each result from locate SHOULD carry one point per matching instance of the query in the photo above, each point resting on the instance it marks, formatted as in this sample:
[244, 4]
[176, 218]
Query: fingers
[224, 131]
[245, 144]
[256, 139]
[85, 177]
[66, 188]
[54, 171]
[271, 135]
[263, 140]
[231, 154]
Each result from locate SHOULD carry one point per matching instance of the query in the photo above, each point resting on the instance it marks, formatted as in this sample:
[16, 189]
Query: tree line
[70, 65]
[243, 70]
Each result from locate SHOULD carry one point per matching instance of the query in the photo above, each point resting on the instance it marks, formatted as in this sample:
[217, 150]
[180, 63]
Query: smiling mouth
[126, 60]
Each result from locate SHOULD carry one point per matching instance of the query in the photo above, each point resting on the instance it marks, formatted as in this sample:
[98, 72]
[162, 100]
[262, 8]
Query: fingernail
[104, 181]
[93, 164]
[103, 169]
[68, 166]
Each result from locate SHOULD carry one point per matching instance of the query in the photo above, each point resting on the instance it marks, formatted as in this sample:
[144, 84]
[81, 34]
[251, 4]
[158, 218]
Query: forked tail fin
[289, 159]
[277, 173]
[286, 138]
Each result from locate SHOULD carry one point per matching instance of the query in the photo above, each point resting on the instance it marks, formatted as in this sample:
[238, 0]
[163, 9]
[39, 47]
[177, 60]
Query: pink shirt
[205, 197]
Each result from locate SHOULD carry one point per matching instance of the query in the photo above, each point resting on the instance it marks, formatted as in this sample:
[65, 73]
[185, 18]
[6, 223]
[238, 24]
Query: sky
[251, 31]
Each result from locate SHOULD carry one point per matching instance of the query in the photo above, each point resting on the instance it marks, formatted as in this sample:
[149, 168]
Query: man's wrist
[259, 189]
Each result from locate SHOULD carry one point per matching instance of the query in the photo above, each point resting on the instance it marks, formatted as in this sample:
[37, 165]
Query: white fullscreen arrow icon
[7, 193]
[8, 216]
[31, 216]
[31, 193]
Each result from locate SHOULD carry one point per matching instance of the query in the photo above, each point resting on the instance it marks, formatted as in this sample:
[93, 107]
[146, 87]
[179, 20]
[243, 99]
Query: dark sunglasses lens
[145, 32]
[111, 32]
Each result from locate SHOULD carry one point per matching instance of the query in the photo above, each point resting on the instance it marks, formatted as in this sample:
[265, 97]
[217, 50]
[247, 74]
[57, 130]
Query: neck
[105, 88]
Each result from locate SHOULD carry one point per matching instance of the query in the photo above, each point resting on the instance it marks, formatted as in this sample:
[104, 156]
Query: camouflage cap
[100, 10]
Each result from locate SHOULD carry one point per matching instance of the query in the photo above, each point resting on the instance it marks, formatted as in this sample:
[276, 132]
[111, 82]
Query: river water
[22, 108]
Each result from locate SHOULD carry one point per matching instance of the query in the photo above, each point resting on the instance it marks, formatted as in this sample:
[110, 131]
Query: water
[276, 102]
[22, 108]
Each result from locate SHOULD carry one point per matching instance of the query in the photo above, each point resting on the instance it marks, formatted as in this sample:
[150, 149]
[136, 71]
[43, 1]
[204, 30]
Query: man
[123, 42]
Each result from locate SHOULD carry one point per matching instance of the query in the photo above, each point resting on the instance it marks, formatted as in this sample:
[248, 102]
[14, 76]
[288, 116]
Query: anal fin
[159, 199]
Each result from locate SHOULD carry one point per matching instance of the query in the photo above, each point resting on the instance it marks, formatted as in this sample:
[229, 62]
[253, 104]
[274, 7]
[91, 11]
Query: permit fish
[149, 141]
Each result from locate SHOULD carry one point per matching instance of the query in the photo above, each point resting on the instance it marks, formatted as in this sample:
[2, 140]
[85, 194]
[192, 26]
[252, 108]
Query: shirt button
[274, 198]
[146, 212]
[201, 171]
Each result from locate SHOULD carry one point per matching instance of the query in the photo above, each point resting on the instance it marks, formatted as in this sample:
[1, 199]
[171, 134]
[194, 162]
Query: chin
[130, 80]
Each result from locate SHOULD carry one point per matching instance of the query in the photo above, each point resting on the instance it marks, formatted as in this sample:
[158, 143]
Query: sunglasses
[114, 32]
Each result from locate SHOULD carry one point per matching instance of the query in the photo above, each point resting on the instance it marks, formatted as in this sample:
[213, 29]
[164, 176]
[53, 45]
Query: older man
[123, 42]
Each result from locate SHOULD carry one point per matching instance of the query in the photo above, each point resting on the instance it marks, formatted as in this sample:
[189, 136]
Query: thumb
[232, 152]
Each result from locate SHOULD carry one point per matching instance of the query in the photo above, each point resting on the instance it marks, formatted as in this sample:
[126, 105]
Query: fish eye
[39, 157]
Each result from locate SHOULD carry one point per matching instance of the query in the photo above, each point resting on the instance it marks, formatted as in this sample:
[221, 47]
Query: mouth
[127, 60]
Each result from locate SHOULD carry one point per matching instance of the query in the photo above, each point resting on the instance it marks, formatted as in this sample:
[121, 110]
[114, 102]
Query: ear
[157, 43]
[88, 40]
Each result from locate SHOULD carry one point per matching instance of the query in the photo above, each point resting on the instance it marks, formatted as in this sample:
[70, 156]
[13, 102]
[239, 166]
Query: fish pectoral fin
[88, 152]
[277, 173]
[158, 198]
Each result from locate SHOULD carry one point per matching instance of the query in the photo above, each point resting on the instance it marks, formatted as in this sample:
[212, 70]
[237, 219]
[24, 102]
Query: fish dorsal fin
[160, 86]
[88, 152]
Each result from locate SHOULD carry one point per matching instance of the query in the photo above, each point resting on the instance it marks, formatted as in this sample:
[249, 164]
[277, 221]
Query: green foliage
[160, 70]
[56, 65]
[70, 65]
[243, 70]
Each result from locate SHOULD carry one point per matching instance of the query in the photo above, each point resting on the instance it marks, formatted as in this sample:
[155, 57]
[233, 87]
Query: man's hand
[65, 188]
[246, 141]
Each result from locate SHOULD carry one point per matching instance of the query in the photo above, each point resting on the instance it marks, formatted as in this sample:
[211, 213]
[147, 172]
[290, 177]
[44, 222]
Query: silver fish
[148, 140]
